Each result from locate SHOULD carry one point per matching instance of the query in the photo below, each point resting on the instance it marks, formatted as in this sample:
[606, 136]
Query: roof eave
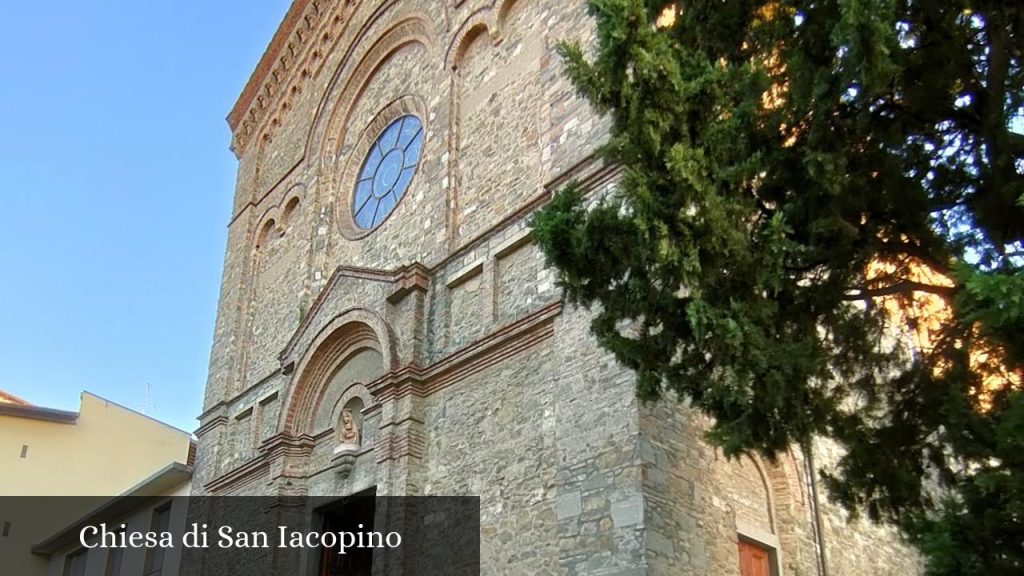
[156, 486]
[38, 413]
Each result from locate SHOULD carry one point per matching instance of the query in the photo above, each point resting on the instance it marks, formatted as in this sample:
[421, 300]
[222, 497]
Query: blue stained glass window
[387, 171]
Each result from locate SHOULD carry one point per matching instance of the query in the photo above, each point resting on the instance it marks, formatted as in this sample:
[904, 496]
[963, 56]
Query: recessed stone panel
[523, 282]
[468, 304]
[500, 126]
[275, 305]
[269, 408]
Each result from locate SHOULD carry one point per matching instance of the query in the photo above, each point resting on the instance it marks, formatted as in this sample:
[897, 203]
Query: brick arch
[267, 228]
[266, 231]
[292, 203]
[348, 333]
[276, 215]
[785, 477]
[791, 511]
[501, 9]
[769, 491]
[782, 482]
[332, 119]
[478, 23]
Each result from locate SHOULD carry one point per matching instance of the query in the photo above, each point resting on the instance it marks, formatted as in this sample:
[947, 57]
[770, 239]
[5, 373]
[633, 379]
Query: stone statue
[349, 428]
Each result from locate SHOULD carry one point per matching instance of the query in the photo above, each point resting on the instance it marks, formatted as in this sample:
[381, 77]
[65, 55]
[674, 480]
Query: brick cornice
[284, 444]
[406, 279]
[237, 476]
[483, 353]
[410, 380]
[267, 62]
[295, 54]
[207, 426]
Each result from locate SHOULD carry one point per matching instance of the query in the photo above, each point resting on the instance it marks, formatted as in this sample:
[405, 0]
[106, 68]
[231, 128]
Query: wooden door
[354, 515]
[754, 560]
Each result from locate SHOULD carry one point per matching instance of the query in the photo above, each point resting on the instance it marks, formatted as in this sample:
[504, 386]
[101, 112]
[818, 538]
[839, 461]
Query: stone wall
[699, 504]
[527, 436]
[857, 546]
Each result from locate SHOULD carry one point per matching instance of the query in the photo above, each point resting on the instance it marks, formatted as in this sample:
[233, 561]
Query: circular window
[387, 171]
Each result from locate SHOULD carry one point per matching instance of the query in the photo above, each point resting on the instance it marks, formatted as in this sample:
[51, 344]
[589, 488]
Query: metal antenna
[145, 407]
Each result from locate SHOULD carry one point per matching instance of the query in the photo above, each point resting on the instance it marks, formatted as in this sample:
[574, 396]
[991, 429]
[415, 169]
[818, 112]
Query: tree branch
[902, 287]
[916, 251]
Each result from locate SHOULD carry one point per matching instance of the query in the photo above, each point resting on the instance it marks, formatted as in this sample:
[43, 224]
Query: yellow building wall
[107, 451]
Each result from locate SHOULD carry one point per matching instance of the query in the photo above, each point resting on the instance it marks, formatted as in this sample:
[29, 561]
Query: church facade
[386, 325]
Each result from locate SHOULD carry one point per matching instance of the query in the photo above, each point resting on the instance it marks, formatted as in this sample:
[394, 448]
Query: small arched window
[266, 234]
[290, 212]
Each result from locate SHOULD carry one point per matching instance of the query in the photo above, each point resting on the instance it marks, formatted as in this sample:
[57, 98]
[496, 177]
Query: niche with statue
[349, 437]
[349, 425]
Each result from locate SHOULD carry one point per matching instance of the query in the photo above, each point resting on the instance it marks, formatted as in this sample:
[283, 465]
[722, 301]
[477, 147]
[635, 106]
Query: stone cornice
[590, 173]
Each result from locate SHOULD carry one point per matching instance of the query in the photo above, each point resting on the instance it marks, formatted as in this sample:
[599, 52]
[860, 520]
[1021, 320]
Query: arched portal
[345, 356]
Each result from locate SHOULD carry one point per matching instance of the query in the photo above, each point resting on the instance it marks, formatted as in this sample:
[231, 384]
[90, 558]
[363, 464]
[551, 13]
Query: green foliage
[773, 153]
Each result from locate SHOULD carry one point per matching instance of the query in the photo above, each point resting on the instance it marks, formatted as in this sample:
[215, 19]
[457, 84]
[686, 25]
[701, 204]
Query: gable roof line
[136, 412]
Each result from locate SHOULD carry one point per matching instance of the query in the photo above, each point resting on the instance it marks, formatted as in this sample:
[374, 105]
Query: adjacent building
[156, 504]
[387, 326]
[102, 450]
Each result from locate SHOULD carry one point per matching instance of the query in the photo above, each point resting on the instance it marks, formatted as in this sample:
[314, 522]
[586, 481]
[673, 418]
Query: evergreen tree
[802, 182]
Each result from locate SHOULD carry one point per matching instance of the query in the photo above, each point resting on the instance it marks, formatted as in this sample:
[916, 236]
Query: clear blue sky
[115, 193]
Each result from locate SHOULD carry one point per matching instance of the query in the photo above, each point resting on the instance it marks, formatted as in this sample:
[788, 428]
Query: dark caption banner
[258, 536]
